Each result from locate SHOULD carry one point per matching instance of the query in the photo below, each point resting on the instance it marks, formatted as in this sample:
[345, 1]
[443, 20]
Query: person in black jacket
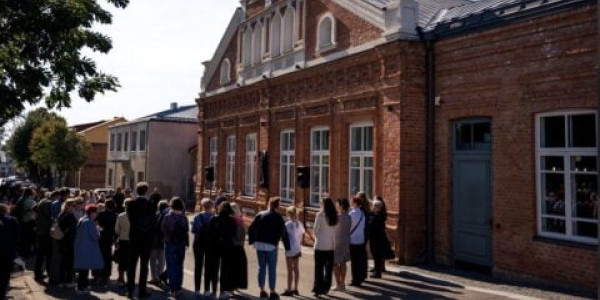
[222, 230]
[119, 199]
[68, 226]
[379, 242]
[143, 227]
[265, 232]
[155, 197]
[107, 220]
[9, 239]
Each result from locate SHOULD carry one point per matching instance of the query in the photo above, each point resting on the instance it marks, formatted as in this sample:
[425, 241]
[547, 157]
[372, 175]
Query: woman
[87, 248]
[68, 226]
[341, 254]
[157, 254]
[175, 229]
[358, 241]
[380, 245]
[122, 232]
[325, 226]
[240, 263]
[201, 248]
[223, 230]
[107, 221]
[295, 231]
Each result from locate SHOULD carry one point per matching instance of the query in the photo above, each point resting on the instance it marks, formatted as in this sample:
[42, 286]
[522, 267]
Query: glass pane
[553, 225]
[314, 199]
[284, 159]
[368, 138]
[584, 189]
[354, 181]
[553, 189]
[283, 177]
[585, 229]
[315, 180]
[482, 136]
[355, 162]
[369, 183]
[292, 141]
[583, 163]
[463, 136]
[325, 140]
[325, 160]
[292, 159]
[356, 137]
[316, 160]
[552, 163]
[325, 181]
[552, 133]
[583, 131]
[284, 142]
[368, 162]
[316, 144]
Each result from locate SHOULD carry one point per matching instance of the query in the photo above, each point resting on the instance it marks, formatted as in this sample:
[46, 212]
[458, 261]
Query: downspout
[428, 43]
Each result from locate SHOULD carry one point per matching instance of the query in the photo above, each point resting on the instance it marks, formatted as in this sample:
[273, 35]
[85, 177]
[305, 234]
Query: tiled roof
[187, 113]
[82, 127]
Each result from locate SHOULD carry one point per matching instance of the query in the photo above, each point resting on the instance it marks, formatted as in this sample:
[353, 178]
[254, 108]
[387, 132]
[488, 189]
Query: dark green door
[471, 203]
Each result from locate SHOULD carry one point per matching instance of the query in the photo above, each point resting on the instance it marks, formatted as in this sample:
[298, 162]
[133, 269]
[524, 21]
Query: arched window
[225, 71]
[326, 33]
[276, 35]
[288, 30]
[257, 50]
[247, 49]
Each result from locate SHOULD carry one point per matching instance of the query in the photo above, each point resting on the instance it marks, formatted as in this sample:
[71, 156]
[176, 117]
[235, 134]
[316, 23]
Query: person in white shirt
[296, 232]
[358, 242]
[326, 221]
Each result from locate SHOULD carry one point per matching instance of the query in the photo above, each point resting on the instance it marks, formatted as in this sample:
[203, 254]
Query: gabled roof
[84, 126]
[188, 113]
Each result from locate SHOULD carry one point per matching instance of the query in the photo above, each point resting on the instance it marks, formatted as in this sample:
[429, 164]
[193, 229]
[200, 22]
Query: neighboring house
[6, 166]
[91, 175]
[495, 98]
[154, 149]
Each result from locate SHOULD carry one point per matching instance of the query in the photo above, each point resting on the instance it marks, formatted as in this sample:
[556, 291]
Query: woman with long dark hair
[341, 254]
[326, 221]
[223, 230]
[380, 245]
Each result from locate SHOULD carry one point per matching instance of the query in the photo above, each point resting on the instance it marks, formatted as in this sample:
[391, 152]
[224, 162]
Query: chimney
[173, 105]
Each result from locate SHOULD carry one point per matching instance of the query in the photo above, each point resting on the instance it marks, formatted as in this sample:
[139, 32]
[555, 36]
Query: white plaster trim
[331, 18]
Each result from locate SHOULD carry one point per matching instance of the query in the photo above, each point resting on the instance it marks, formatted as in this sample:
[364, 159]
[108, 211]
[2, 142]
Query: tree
[56, 147]
[17, 145]
[40, 52]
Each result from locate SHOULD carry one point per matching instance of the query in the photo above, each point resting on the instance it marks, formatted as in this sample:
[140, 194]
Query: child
[295, 231]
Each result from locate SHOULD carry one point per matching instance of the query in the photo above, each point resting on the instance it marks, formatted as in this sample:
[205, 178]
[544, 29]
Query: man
[9, 238]
[56, 205]
[155, 197]
[26, 217]
[142, 221]
[43, 224]
[220, 198]
[119, 198]
[265, 232]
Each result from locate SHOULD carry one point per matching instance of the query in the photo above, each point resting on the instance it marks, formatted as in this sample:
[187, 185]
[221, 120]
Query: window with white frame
[257, 44]
[288, 30]
[213, 155]
[119, 141]
[143, 140]
[326, 33]
[361, 159]
[225, 71]
[567, 176]
[112, 142]
[287, 165]
[126, 142]
[319, 164]
[230, 165]
[247, 49]
[276, 35]
[250, 178]
[134, 141]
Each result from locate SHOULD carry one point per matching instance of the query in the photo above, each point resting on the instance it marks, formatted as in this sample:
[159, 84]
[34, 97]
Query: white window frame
[230, 165]
[566, 153]
[286, 33]
[257, 44]
[321, 154]
[287, 179]
[225, 71]
[213, 158]
[277, 33]
[362, 155]
[321, 48]
[250, 168]
[247, 46]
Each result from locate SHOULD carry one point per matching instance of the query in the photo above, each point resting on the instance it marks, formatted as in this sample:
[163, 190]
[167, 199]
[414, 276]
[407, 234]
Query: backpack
[56, 233]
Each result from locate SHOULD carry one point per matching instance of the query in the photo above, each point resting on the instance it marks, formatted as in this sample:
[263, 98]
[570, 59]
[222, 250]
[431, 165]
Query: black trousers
[358, 258]
[5, 269]
[323, 271]
[106, 250]
[212, 265]
[83, 281]
[43, 258]
[27, 239]
[138, 251]
[201, 259]
[123, 256]
[66, 263]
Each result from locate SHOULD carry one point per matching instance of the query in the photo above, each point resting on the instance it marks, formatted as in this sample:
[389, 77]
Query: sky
[158, 50]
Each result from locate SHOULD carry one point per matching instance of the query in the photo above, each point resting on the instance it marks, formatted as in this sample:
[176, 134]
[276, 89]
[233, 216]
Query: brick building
[348, 88]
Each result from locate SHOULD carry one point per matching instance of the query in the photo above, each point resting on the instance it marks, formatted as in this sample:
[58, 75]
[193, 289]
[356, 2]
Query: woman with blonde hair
[68, 225]
[295, 231]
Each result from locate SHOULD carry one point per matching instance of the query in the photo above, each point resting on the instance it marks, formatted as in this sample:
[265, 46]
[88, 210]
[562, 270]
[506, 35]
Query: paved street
[398, 283]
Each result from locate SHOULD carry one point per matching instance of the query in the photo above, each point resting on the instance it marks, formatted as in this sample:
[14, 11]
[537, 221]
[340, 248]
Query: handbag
[56, 233]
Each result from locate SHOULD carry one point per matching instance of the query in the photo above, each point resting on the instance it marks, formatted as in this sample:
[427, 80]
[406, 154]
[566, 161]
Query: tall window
[134, 141]
[230, 164]
[213, 158]
[119, 141]
[250, 178]
[326, 33]
[276, 36]
[247, 49]
[143, 140]
[112, 142]
[257, 44]
[319, 165]
[361, 159]
[567, 176]
[126, 142]
[225, 71]
[287, 173]
[288, 30]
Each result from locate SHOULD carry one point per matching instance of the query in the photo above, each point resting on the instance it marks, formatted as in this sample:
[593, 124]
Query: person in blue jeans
[265, 232]
[175, 229]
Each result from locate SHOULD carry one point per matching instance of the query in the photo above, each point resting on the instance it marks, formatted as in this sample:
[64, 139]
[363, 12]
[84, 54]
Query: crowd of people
[75, 237]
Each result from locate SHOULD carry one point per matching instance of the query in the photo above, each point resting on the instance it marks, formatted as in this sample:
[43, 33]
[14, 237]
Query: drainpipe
[428, 43]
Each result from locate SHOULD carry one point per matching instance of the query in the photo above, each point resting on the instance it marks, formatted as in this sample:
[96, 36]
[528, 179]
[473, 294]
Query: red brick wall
[510, 74]
[231, 54]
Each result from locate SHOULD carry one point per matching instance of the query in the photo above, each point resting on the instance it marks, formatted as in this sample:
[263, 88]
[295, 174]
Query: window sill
[564, 243]
[324, 49]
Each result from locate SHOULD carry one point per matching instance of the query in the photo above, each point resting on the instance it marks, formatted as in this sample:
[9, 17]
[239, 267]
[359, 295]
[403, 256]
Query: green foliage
[55, 146]
[40, 52]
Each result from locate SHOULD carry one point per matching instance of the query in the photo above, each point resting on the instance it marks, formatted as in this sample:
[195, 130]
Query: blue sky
[158, 48]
